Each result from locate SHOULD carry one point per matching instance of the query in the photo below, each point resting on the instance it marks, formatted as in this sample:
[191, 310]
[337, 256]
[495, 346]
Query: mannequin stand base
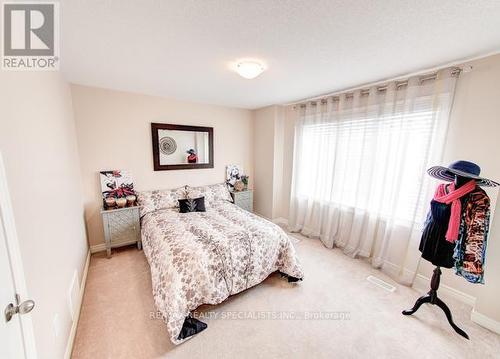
[432, 298]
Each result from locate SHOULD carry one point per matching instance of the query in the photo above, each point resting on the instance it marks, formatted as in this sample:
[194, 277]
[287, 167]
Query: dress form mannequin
[432, 296]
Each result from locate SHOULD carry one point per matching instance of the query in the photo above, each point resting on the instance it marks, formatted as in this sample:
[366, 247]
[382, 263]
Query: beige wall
[279, 159]
[263, 148]
[114, 132]
[274, 129]
[268, 147]
[473, 135]
[487, 296]
[38, 143]
[288, 143]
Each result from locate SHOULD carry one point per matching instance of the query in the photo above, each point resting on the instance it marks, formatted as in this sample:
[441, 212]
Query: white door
[16, 331]
[10, 332]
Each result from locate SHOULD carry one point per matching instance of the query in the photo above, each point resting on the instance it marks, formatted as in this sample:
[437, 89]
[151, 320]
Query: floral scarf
[470, 248]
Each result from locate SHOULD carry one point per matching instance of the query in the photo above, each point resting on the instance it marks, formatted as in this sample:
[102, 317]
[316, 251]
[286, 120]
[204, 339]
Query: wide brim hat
[463, 169]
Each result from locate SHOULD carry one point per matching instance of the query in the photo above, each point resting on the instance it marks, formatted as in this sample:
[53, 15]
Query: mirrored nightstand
[121, 227]
[243, 199]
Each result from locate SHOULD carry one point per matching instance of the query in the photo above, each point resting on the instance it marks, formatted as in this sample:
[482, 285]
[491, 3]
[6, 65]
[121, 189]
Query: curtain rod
[401, 81]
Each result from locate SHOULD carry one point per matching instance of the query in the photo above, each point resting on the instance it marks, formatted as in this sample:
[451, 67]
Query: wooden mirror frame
[184, 166]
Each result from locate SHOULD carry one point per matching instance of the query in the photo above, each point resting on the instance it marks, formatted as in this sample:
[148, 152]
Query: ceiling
[185, 48]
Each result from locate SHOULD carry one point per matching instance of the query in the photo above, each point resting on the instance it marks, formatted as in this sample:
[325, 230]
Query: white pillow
[212, 193]
[151, 201]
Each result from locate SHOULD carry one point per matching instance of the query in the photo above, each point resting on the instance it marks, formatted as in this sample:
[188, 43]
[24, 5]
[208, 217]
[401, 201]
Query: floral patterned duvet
[204, 257]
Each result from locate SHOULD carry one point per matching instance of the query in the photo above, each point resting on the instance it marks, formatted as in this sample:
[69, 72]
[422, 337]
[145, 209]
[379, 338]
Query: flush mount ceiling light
[249, 69]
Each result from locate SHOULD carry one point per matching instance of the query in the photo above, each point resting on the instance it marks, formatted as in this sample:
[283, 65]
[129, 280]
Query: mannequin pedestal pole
[432, 298]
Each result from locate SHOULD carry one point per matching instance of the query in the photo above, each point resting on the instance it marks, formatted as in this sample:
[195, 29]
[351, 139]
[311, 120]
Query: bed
[204, 257]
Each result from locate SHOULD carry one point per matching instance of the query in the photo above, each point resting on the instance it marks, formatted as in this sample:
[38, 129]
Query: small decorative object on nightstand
[121, 227]
[243, 199]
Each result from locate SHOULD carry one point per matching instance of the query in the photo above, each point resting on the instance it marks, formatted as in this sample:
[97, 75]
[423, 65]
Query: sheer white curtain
[360, 159]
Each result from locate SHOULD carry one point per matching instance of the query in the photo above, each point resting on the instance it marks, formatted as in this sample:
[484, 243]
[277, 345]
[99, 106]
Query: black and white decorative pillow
[192, 205]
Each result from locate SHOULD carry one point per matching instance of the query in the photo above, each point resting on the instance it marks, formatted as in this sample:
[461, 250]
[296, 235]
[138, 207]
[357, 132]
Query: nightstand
[243, 199]
[121, 227]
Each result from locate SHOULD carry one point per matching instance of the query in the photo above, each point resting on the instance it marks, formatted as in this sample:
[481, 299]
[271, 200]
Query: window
[356, 163]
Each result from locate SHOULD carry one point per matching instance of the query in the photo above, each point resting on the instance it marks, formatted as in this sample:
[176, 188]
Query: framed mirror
[179, 147]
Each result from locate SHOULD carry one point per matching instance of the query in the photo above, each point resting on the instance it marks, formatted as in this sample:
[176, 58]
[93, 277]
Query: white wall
[114, 132]
[473, 135]
[38, 142]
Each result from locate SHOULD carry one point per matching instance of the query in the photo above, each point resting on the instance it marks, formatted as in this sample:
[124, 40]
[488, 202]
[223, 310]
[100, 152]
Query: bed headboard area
[150, 201]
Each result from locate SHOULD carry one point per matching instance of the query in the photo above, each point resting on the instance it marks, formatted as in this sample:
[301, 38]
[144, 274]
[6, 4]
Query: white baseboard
[398, 274]
[280, 221]
[101, 247]
[422, 283]
[485, 321]
[72, 333]
[98, 248]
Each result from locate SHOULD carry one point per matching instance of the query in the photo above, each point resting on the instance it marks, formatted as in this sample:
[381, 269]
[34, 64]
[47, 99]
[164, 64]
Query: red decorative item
[192, 158]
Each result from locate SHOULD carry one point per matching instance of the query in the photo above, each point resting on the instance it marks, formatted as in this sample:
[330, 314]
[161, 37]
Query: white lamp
[249, 69]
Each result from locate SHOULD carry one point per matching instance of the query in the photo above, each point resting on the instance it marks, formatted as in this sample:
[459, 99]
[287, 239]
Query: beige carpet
[117, 318]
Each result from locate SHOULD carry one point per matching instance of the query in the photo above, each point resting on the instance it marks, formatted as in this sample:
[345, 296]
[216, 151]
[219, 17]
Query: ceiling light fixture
[249, 69]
